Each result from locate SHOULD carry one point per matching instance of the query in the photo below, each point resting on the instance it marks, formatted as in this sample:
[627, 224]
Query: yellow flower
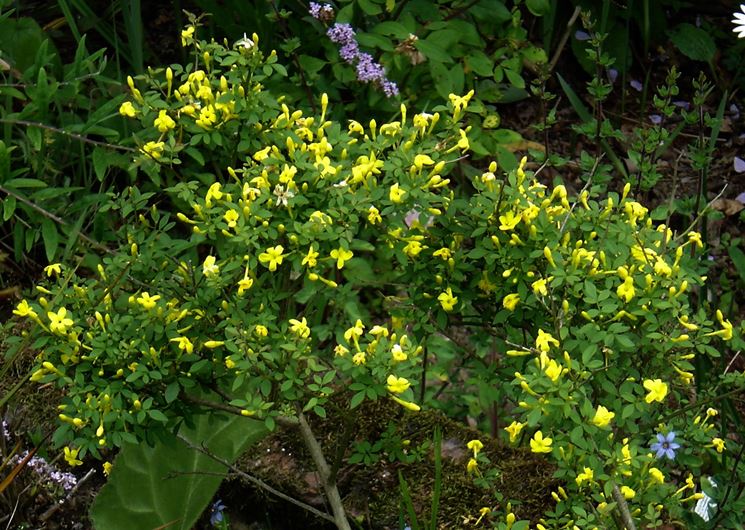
[476, 446]
[396, 194]
[107, 468]
[127, 109]
[187, 35]
[398, 354]
[24, 310]
[355, 332]
[359, 358]
[272, 257]
[718, 444]
[184, 344]
[397, 385]
[510, 301]
[341, 255]
[164, 122]
[53, 268]
[602, 416]
[544, 341]
[586, 476]
[513, 429]
[627, 493]
[539, 444]
[153, 149]
[261, 331]
[657, 390]
[211, 344]
[422, 160]
[300, 328]
[553, 370]
[626, 290]
[58, 322]
[244, 285]
[726, 331]
[373, 215]
[406, 404]
[539, 287]
[657, 476]
[509, 221]
[311, 258]
[472, 465]
[210, 267]
[341, 350]
[447, 300]
[147, 301]
[71, 457]
[231, 217]
[413, 248]
[443, 253]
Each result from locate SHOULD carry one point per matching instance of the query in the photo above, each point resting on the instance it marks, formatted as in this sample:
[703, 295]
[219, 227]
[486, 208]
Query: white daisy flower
[739, 22]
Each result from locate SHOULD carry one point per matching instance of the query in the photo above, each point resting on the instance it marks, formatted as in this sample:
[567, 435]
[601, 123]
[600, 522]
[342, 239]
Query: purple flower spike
[655, 118]
[582, 35]
[739, 165]
[665, 446]
[636, 85]
[341, 34]
[323, 12]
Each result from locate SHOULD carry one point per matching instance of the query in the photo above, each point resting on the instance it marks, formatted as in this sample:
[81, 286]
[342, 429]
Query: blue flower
[665, 445]
[216, 515]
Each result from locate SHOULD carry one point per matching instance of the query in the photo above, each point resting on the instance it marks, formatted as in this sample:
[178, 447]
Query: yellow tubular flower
[341, 255]
[602, 416]
[476, 446]
[510, 301]
[447, 300]
[406, 404]
[272, 257]
[539, 444]
[397, 385]
[657, 476]
[657, 390]
[513, 429]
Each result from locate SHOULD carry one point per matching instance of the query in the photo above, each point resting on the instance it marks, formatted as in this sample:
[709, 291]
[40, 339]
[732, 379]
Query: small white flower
[739, 22]
[282, 195]
[245, 43]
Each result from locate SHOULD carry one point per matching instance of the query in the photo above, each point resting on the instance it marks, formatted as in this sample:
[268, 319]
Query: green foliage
[430, 49]
[171, 482]
[50, 189]
[310, 257]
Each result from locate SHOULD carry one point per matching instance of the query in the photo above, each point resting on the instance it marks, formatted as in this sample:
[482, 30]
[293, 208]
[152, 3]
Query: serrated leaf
[171, 484]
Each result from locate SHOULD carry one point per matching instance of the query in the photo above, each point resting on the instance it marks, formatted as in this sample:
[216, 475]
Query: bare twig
[58, 220]
[76, 136]
[329, 485]
[256, 481]
[56, 506]
[623, 507]
[564, 38]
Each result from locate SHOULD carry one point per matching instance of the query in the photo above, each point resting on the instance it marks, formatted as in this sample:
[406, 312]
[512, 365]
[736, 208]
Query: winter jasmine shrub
[325, 258]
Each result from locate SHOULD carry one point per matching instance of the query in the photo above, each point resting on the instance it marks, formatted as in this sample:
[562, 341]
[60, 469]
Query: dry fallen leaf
[727, 206]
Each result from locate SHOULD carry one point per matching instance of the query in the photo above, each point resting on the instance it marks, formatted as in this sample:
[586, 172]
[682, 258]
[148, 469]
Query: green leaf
[738, 259]
[433, 52]
[480, 63]
[171, 484]
[538, 7]
[311, 65]
[396, 29]
[9, 207]
[370, 8]
[172, 391]
[693, 42]
[50, 236]
[100, 162]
